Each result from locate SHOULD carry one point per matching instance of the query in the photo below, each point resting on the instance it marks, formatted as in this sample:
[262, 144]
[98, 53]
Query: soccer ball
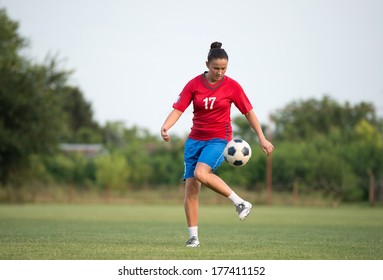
[237, 152]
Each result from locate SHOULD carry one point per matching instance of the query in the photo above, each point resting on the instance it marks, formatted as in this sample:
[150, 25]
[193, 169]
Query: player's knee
[192, 190]
[200, 175]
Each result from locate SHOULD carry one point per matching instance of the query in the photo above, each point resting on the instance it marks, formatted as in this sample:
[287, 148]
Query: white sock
[193, 231]
[235, 198]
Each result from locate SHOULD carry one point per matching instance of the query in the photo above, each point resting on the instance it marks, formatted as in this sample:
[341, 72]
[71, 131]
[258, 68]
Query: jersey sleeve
[185, 97]
[240, 99]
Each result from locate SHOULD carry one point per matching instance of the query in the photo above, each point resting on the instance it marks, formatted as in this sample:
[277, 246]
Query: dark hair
[216, 52]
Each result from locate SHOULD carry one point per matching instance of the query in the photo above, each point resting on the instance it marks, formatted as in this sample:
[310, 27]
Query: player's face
[217, 68]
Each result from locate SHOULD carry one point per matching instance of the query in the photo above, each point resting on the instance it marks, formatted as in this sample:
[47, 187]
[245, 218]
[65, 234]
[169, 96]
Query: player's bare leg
[192, 188]
[204, 174]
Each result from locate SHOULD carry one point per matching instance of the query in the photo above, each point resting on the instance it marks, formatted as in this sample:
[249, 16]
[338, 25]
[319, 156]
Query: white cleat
[192, 242]
[243, 209]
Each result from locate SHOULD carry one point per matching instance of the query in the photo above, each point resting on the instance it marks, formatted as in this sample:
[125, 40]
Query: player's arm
[266, 146]
[169, 122]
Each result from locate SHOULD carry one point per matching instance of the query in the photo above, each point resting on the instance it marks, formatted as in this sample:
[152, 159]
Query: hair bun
[216, 45]
[216, 52]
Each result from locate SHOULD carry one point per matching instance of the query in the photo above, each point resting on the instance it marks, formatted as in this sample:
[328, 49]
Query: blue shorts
[209, 152]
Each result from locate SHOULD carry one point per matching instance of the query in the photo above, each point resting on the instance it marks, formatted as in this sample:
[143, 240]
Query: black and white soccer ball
[237, 152]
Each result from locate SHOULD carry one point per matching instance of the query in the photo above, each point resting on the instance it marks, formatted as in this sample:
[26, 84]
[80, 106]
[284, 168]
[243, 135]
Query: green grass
[144, 232]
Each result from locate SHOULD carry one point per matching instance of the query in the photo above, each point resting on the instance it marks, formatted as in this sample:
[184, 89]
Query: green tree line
[321, 145]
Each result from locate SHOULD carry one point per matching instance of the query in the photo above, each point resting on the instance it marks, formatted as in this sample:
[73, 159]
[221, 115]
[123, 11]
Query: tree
[365, 152]
[308, 118]
[329, 147]
[11, 42]
[37, 107]
[112, 172]
[79, 114]
[28, 106]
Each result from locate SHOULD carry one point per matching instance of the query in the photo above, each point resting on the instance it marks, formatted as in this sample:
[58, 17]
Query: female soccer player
[212, 94]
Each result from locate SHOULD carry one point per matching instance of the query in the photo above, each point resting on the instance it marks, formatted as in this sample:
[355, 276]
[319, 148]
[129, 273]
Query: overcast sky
[131, 58]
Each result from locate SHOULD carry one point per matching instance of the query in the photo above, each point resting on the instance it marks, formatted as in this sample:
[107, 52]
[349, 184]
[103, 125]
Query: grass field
[145, 232]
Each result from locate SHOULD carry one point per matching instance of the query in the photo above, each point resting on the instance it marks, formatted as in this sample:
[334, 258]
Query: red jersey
[212, 104]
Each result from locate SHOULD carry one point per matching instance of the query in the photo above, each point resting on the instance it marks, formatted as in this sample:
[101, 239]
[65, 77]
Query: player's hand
[266, 146]
[164, 134]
